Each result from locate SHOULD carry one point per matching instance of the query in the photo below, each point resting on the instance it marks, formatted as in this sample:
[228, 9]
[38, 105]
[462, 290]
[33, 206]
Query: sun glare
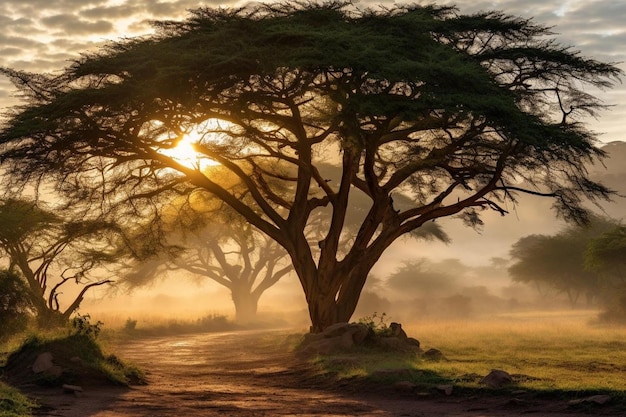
[185, 151]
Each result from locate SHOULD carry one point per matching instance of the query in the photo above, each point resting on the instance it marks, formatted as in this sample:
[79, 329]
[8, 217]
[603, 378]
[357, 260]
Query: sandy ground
[248, 374]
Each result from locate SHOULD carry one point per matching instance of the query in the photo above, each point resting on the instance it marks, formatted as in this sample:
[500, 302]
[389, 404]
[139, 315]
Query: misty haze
[312, 209]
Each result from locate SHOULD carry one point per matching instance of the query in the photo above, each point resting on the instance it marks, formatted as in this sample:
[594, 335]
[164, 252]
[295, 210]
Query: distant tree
[424, 278]
[16, 307]
[606, 255]
[451, 110]
[558, 261]
[219, 245]
[52, 254]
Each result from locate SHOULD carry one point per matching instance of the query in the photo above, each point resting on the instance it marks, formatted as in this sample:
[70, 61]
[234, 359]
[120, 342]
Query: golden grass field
[547, 350]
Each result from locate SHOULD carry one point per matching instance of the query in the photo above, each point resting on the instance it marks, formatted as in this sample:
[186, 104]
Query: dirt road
[250, 374]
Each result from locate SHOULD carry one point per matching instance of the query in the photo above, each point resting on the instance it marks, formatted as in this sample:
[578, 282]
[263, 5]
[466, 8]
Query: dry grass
[555, 350]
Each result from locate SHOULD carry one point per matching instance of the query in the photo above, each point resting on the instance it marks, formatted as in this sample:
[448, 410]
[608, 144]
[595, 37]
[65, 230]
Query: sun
[185, 151]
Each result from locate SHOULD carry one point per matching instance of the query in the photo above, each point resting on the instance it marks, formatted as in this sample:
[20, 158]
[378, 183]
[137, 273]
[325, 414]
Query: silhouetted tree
[606, 256]
[52, 253]
[426, 278]
[607, 253]
[218, 244]
[452, 110]
[558, 261]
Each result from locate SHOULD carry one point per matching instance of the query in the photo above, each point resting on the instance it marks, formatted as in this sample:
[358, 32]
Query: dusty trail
[250, 374]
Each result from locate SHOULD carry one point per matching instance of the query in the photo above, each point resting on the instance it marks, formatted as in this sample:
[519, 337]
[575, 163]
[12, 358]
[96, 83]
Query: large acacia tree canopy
[456, 112]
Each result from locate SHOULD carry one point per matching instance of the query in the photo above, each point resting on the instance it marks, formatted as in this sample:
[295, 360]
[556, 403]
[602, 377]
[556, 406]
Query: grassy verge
[80, 357]
[13, 403]
[546, 353]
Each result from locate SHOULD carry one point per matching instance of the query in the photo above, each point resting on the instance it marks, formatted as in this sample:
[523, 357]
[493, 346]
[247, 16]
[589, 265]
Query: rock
[42, 363]
[336, 338]
[413, 342]
[396, 331]
[54, 370]
[76, 359]
[594, 399]
[404, 386]
[337, 329]
[433, 354]
[497, 379]
[446, 389]
[72, 388]
[360, 332]
[392, 343]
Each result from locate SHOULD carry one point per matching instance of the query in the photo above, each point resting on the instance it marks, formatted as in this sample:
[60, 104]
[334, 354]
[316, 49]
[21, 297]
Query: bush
[81, 325]
[16, 308]
[377, 325]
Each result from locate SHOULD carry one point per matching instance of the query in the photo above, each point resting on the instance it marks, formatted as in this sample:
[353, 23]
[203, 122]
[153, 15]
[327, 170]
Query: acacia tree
[217, 244]
[559, 261]
[607, 253]
[51, 253]
[452, 110]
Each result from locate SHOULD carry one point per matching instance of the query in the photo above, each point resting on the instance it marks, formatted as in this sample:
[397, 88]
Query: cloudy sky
[43, 35]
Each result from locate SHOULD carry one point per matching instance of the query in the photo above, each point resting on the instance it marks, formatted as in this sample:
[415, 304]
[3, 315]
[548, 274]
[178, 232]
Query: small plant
[81, 325]
[376, 324]
[130, 325]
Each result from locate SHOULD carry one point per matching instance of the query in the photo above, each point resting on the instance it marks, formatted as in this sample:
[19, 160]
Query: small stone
[433, 355]
[404, 386]
[497, 379]
[71, 388]
[446, 389]
[595, 399]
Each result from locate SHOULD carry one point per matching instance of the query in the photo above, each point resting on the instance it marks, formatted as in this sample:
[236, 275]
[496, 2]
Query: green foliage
[376, 324]
[35, 241]
[16, 307]
[13, 403]
[208, 323]
[559, 261]
[93, 365]
[82, 326]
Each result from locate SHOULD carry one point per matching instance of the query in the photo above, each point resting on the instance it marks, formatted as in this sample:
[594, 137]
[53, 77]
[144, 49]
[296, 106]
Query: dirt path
[249, 374]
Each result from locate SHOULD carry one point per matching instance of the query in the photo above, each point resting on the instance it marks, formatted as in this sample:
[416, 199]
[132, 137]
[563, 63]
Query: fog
[414, 280]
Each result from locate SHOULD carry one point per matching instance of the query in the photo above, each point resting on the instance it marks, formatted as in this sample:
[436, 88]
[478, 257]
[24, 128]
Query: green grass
[545, 352]
[13, 403]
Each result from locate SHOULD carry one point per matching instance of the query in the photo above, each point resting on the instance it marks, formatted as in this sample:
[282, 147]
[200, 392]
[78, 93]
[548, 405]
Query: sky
[44, 36]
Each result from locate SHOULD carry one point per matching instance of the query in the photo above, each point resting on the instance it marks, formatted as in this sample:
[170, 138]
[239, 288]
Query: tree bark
[246, 305]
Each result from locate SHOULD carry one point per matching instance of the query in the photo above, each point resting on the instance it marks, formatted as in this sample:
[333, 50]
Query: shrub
[81, 325]
[16, 308]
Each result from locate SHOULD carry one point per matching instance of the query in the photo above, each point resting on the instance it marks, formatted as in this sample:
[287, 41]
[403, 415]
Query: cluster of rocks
[45, 367]
[342, 337]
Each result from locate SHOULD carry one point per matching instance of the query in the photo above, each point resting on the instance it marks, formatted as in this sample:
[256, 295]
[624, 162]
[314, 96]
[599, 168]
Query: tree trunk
[327, 308]
[246, 305]
[324, 312]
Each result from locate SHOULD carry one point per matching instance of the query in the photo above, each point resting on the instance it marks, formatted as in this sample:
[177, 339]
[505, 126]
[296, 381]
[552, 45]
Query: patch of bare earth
[254, 374]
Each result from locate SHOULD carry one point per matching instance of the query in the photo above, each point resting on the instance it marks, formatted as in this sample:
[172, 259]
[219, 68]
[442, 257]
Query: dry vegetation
[549, 352]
